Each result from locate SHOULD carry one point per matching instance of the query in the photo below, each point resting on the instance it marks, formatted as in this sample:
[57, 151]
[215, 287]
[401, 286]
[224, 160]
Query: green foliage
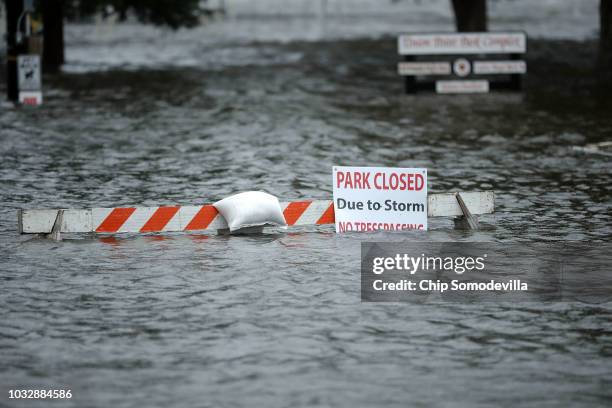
[172, 13]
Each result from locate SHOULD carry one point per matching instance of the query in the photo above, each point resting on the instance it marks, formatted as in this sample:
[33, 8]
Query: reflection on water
[275, 319]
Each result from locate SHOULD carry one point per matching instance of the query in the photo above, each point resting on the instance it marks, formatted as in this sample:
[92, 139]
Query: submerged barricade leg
[467, 221]
[56, 234]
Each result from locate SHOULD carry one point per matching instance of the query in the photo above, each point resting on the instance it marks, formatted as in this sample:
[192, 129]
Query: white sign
[380, 198]
[32, 98]
[462, 86]
[462, 43]
[500, 67]
[424, 68]
[462, 67]
[28, 69]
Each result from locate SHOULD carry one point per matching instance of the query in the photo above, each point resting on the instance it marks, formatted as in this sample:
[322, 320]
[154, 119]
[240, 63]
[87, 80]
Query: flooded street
[275, 319]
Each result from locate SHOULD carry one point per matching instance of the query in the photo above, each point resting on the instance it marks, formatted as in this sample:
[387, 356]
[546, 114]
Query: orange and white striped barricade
[201, 218]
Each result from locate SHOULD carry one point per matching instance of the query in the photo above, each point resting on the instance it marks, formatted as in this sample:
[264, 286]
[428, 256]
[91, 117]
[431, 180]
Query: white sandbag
[250, 209]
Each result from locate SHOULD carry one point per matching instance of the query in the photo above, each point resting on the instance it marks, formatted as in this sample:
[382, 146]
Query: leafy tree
[171, 13]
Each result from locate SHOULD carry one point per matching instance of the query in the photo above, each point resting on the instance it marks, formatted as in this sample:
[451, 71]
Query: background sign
[424, 68]
[465, 86]
[32, 98]
[379, 198]
[500, 67]
[462, 66]
[28, 67]
[462, 43]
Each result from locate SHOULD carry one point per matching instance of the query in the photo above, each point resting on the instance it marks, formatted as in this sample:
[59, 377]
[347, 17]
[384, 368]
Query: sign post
[379, 198]
[28, 79]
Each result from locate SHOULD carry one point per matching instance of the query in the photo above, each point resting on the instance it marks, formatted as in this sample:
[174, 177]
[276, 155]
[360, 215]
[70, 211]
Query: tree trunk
[605, 34]
[13, 9]
[470, 15]
[53, 26]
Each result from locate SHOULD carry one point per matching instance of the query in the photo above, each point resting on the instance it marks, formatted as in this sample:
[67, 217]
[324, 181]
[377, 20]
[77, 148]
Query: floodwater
[276, 319]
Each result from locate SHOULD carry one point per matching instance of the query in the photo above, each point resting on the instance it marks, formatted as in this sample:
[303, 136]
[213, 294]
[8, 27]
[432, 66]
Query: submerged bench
[206, 218]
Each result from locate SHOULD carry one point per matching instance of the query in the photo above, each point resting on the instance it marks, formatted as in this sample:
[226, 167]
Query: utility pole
[605, 34]
[14, 10]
